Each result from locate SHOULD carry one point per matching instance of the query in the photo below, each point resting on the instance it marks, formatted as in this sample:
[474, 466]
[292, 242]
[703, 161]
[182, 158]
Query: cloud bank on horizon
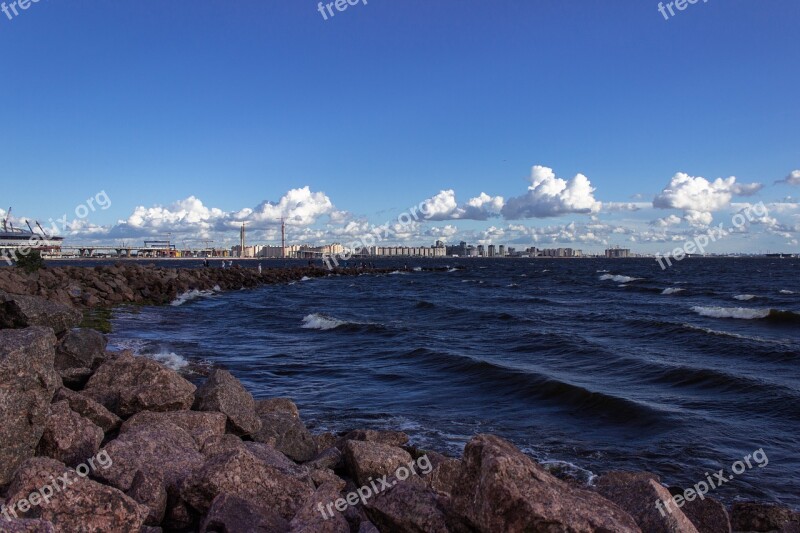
[312, 217]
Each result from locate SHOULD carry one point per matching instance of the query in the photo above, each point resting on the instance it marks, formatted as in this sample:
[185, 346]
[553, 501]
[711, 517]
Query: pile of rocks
[175, 457]
[105, 286]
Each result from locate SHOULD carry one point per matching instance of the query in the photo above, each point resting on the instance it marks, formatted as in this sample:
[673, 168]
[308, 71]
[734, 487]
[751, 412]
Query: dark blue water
[573, 364]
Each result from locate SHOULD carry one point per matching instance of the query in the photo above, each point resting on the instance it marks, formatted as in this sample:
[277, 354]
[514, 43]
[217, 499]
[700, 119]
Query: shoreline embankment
[95, 440]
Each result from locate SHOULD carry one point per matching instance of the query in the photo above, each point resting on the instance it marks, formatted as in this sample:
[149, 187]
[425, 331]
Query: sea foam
[194, 294]
[741, 313]
[617, 278]
[321, 322]
[671, 290]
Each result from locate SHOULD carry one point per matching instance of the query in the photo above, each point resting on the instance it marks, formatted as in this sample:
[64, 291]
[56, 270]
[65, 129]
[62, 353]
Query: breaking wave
[617, 278]
[321, 322]
[194, 294]
[671, 290]
[743, 313]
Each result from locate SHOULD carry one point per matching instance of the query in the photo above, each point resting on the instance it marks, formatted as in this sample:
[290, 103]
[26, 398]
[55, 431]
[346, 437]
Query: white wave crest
[784, 291]
[745, 297]
[452, 270]
[671, 290]
[741, 313]
[617, 278]
[194, 294]
[321, 322]
[305, 278]
[169, 359]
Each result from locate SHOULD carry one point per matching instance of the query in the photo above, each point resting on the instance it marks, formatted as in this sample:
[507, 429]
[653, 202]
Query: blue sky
[386, 104]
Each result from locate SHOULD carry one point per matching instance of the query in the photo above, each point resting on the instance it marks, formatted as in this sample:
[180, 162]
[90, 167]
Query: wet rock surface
[27, 384]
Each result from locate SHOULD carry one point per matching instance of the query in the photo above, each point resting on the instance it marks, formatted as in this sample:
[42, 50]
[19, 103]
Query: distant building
[618, 253]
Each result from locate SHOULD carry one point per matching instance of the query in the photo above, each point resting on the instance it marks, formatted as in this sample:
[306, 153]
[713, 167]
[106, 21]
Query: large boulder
[127, 384]
[163, 451]
[27, 385]
[88, 408]
[367, 460]
[199, 425]
[282, 427]
[81, 505]
[312, 517]
[240, 473]
[501, 489]
[389, 438]
[81, 348]
[752, 516]
[708, 515]
[150, 462]
[18, 311]
[410, 506]
[227, 443]
[224, 393]
[68, 437]
[149, 490]
[642, 496]
[232, 514]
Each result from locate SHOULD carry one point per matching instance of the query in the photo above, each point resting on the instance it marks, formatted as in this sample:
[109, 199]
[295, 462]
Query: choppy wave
[322, 322]
[194, 294]
[671, 290]
[745, 297]
[744, 313]
[741, 313]
[617, 278]
[784, 291]
[169, 359]
[143, 348]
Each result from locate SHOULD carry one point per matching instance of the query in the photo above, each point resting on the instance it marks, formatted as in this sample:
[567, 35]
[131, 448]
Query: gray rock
[68, 437]
[408, 506]
[231, 514]
[389, 438]
[81, 348]
[367, 459]
[240, 473]
[18, 311]
[88, 408]
[282, 428]
[312, 517]
[101, 508]
[501, 489]
[752, 516]
[199, 425]
[637, 493]
[27, 385]
[149, 490]
[223, 393]
[126, 385]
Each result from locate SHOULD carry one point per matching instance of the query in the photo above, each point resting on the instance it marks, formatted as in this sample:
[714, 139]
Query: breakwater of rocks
[167, 455]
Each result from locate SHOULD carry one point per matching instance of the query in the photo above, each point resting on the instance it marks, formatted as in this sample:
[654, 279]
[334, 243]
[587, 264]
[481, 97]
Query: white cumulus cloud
[698, 198]
[792, 179]
[550, 196]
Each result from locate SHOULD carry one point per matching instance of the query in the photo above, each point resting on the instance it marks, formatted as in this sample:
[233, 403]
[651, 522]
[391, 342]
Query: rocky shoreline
[100, 441]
